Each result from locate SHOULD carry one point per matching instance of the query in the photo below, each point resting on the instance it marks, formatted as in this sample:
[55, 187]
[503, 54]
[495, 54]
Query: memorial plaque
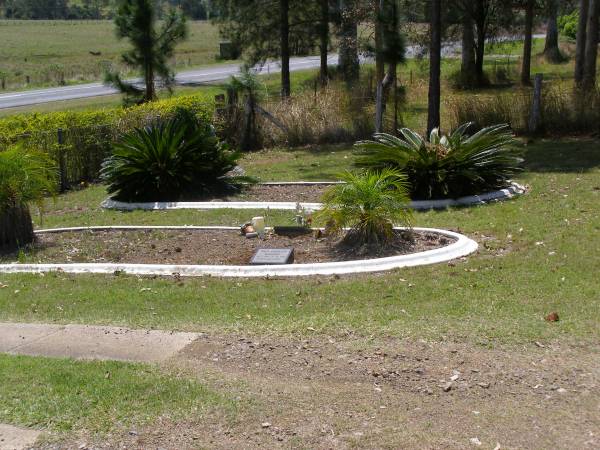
[272, 256]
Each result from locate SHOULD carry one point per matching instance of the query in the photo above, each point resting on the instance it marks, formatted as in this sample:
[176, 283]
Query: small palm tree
[24, 177]
[369, 204]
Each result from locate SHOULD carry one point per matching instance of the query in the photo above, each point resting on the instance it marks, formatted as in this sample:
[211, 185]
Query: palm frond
[447, 165]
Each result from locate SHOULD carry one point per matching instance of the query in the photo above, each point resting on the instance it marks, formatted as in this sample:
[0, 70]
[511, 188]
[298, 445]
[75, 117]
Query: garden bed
[200, 251]
[218, 247]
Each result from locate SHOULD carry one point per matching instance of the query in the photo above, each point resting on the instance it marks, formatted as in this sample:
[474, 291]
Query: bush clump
[369, 204]
[88, 135]
[170, 160]
[24, 177]
[446, 166]
[568, 24]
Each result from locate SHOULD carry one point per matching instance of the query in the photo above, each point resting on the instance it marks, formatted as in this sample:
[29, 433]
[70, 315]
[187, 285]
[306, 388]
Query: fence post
[535, 118]
[61, 160]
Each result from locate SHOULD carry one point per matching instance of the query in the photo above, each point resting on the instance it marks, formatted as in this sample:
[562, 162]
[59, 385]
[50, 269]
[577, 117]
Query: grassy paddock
[49, 51]
[538, 254]
[60, 395]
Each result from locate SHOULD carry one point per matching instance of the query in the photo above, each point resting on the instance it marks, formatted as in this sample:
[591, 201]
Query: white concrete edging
[462, 247]
[503, 194]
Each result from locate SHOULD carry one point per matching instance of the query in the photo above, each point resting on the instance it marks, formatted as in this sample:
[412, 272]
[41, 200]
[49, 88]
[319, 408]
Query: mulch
[215, 247]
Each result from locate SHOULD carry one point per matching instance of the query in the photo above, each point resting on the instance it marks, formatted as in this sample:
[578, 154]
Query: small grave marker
[272, 256]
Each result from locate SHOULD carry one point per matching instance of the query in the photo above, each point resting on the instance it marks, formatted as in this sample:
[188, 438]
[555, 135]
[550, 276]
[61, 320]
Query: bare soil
[281, 193]
[340, 392]
[203, 247]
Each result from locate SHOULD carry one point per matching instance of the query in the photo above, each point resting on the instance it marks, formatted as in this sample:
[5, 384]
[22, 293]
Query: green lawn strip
[538, 254]
[61, 395]
[82, 207]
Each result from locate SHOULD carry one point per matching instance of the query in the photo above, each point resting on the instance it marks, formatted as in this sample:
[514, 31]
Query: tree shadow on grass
[572, 155]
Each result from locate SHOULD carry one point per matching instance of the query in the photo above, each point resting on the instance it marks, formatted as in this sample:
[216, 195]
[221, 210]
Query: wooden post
[61, 160]
[535, 118]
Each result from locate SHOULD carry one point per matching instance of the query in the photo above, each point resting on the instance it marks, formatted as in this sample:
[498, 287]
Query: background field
[48, 51]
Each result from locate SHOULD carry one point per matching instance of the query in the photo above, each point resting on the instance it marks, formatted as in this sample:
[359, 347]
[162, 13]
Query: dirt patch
[350, 392]
[200, 247]
[281, 193]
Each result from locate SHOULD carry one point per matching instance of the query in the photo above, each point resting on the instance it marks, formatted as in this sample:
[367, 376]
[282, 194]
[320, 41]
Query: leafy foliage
[88, 135]
[170, 160]
[568, 24]
[369, 204]
[151, 48]
[447, 166]
[250, 26]
[24, 177]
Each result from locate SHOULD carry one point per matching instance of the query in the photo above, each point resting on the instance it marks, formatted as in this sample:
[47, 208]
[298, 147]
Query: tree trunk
[324, 37]
[581, 40]
[591, 46]
[150, 94]
[16, 228]
[526, 65]
[481, 28]
[379, 66]
[551, 50]
[435, 57]
[348, 57]
[468, 70]
[284, 9]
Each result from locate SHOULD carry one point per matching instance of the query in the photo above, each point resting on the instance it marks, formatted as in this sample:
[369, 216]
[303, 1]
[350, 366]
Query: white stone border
[462, 247]
[513, 190]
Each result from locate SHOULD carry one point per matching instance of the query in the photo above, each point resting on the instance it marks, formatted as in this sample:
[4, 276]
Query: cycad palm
[24, 177]
[369, 204]
[447, 165]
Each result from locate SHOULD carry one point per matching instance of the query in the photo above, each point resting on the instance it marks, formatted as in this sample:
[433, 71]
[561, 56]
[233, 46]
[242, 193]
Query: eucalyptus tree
[552, 52]
[591, 46]
[581, 40]
[389, 49]
[435, 58]
[267, 29]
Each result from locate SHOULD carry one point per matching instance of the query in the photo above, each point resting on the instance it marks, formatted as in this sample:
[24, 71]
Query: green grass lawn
[60, 395]
[538, 254]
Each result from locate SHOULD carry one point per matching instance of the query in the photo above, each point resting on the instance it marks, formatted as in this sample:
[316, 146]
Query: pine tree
[151, 49]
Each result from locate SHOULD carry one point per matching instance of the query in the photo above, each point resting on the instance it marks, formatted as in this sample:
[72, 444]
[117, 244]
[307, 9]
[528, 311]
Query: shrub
[170, 160]
[369, 204]
[89, 135]
[447, 166]
[568, 24]
[24, 177]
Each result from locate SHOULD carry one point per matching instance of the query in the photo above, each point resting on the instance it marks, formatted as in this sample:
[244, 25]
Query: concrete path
[91, 342]
[14, 438]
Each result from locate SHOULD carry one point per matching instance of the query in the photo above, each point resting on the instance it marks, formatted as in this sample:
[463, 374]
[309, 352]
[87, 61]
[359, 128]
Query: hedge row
[86, 137]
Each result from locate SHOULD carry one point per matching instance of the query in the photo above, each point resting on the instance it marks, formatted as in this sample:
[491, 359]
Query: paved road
[191, 77]
[204, 75]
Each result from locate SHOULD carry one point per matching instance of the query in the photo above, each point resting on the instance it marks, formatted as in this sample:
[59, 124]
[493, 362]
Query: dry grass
[328, 116]
[564, 111]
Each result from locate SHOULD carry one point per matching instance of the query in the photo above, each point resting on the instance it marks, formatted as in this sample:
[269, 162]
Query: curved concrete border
[503, 194]
[462, 247]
